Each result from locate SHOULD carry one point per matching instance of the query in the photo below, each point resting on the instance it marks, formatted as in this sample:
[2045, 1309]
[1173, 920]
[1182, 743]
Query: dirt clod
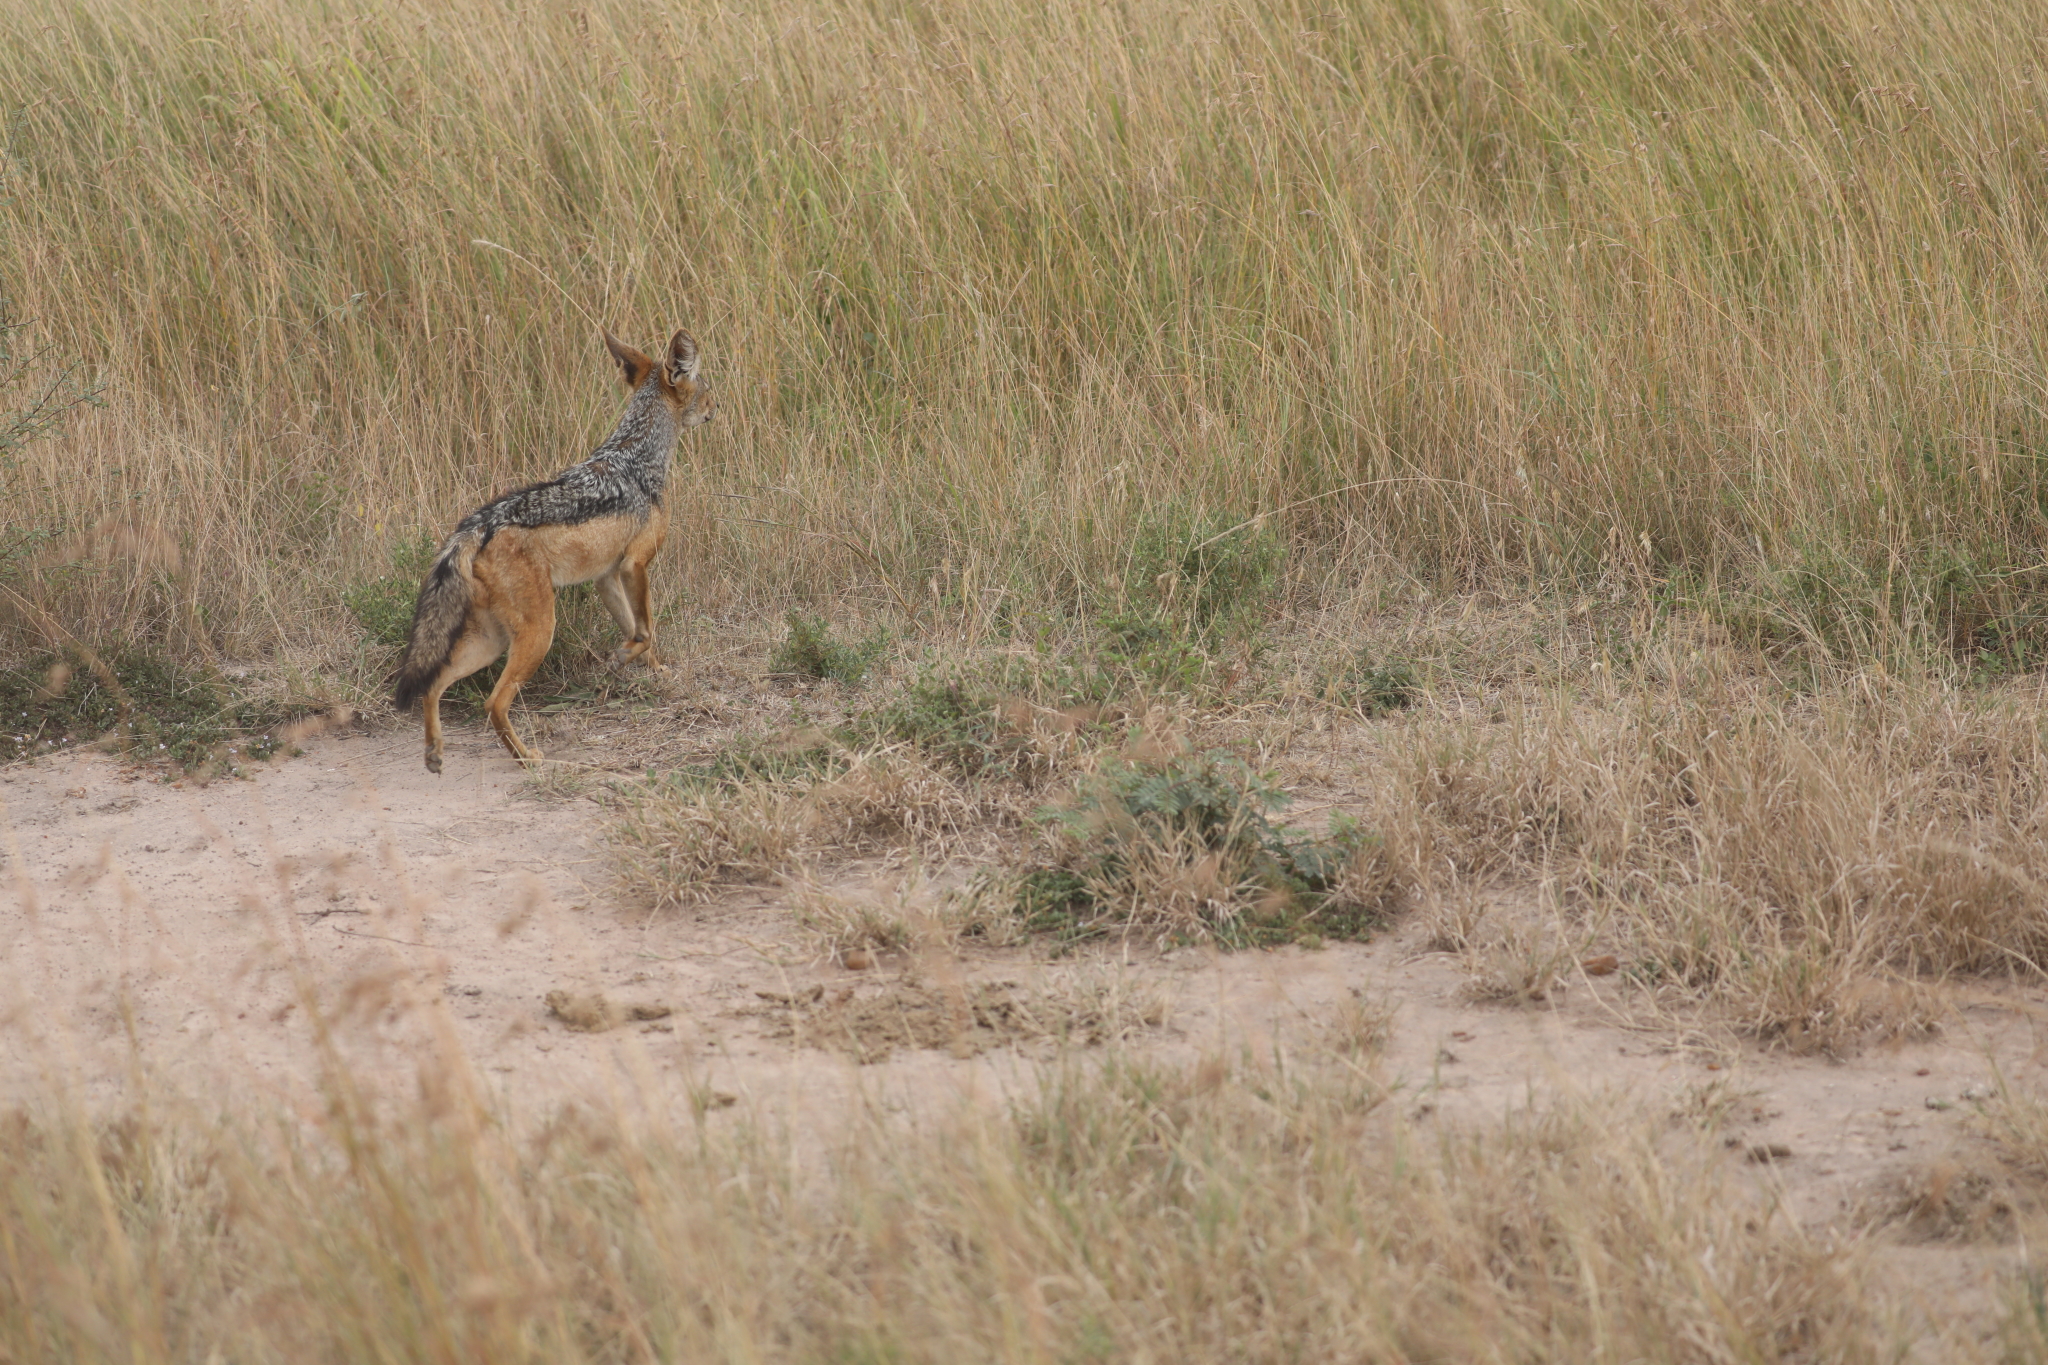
[803, 997]
[591, 1012]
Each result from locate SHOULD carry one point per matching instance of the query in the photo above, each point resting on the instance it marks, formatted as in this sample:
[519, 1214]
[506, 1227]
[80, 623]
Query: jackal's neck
[644, 439]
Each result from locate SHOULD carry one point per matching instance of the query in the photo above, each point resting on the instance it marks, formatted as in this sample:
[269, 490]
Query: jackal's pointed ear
[635, 366]
[682, 358]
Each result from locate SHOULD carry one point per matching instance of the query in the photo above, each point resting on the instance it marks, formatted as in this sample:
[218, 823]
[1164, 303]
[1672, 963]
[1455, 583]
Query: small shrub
[954, 720]
[1152, 647]
[1185, 846]
[811, 650]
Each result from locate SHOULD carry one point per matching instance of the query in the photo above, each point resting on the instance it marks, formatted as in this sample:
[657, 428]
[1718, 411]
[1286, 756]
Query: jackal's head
[675, 377]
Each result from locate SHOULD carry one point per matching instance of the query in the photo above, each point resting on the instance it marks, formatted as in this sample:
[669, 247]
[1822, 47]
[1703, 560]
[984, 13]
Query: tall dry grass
[1809, 863]
[1732, 299]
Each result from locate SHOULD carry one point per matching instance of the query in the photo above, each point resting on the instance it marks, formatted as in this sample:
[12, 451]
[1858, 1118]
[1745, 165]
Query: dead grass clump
[892, 913]
[1956, 1199]
[680, 841]
[678, 848]
[1799, 859]
[869, 1023]
[594, 1012]
[844, 923]
[557, 783]
[890, 798]
[1517, 961]
[1189, 1214]
[1360, 1028]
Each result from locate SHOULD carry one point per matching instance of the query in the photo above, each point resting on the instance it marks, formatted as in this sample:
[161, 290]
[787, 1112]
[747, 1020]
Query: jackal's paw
[434, 763]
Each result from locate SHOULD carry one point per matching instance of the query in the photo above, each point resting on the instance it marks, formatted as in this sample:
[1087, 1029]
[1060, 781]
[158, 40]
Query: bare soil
[346, 907]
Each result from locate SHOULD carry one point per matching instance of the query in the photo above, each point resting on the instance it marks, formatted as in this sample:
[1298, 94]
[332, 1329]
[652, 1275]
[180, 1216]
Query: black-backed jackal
[492, 587]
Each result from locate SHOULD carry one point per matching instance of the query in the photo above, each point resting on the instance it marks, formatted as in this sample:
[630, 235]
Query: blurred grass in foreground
[1129, 1212]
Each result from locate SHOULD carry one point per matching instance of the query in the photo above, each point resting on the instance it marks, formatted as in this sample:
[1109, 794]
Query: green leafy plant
[1015, 717]
[1152, 648]
[811, 650]
[1185, 846]
[952, 719]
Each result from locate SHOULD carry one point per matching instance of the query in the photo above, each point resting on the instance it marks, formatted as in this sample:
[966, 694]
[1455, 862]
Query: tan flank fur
[491, 589]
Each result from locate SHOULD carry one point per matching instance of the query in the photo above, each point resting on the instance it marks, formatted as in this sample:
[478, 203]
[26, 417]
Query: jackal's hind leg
[530, 640]
[477, 647]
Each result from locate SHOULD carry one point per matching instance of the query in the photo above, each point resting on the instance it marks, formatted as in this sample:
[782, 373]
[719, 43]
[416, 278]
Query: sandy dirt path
[227, 941]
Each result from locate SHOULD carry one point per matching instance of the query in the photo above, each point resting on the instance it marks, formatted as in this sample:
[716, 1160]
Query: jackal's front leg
[624, 591]
[611, 590]
[643, 612]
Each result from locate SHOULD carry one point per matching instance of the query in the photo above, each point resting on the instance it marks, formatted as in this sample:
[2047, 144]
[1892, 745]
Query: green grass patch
[1009, 717]
[1212, 574]
[383, 605]
[1152, 650]
[1829, 602]
[145, 705]
[955, 720]
[801, 756]
[1372, 687]
[812, 650]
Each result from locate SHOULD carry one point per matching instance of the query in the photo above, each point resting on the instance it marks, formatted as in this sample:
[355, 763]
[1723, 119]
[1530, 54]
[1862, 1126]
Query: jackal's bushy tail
[437, 619]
